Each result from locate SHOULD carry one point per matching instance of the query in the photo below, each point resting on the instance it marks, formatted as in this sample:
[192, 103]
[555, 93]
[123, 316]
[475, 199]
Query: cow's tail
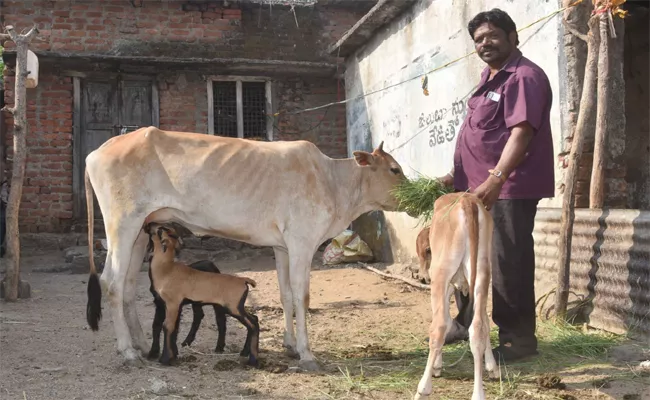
[94, 306]
[249, 281]
[471, 216]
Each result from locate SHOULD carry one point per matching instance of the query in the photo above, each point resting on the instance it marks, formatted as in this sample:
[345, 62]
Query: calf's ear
[363, 158]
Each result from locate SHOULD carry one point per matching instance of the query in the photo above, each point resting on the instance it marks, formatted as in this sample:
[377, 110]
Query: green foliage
[417, 196]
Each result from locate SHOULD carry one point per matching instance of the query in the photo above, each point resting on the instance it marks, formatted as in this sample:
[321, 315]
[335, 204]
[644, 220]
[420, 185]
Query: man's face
[492, 44]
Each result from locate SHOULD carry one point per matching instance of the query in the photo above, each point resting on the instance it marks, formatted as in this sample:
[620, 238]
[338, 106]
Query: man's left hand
[489, 191]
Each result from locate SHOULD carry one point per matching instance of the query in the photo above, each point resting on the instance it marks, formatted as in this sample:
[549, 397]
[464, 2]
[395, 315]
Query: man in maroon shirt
[504, 155]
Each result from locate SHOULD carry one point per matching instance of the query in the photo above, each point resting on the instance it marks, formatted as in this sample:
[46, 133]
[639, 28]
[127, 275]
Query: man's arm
[515, 148]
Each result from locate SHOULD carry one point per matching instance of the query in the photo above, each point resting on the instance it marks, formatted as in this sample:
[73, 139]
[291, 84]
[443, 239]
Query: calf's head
[385, 175]
[423, 251]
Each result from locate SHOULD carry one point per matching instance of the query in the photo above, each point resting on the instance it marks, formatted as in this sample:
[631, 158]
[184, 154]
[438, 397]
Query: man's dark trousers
[513, 274]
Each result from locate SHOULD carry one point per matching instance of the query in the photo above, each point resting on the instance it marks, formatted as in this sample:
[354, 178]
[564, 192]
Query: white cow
[287, 195]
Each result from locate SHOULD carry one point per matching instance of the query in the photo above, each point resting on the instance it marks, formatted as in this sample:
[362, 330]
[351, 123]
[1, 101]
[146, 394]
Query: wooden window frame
[240, 110]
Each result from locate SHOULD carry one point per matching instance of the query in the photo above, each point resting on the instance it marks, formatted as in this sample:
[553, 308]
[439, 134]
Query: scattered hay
[548, 381]
[369, 352]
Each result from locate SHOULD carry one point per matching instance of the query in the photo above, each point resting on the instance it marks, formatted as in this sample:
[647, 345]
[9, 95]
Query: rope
[420, 75]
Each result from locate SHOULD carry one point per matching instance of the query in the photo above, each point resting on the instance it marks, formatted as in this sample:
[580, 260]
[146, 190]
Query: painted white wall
[421, 131]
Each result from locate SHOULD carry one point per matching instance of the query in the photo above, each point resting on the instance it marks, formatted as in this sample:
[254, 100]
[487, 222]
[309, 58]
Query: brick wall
[175, 29]
[181, 28]
[47, 192]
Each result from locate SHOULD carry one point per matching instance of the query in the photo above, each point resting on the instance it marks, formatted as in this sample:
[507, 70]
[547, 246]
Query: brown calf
[460, 239]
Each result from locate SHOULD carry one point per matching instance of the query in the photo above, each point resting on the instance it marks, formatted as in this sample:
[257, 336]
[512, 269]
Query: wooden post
[596, 187]
[586, 122]
[19, 112]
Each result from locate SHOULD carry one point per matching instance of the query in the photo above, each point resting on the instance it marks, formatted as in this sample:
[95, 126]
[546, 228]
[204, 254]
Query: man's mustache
[485, 49]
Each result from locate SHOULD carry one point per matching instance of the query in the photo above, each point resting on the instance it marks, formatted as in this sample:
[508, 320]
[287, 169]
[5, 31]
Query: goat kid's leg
[440, 325]
[137, 256]
[156, 327]
[286, 297]
[197, 317]
[299, 268]
[171, 315]
[174, 337]
[220, 317]
[121, 246]
[247, 345]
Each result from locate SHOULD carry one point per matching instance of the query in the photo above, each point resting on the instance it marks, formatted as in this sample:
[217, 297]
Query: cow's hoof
[309, 365]
[419, 396]
[133, 359]
[289, 351]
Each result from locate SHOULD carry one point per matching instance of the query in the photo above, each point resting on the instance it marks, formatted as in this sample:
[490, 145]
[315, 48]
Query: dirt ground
[367, 332]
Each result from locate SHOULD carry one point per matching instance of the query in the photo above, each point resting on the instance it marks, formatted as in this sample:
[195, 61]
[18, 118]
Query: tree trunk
[19, 112]
[586, 123]
[596, 188]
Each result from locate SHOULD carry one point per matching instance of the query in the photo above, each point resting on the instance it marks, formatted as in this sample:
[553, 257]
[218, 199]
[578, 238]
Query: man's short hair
[496, 17]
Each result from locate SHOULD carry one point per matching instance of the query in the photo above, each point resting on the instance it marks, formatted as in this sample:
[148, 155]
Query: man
[504, 155]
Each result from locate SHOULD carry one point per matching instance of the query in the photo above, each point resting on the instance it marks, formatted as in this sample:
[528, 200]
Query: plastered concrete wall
[421, 131]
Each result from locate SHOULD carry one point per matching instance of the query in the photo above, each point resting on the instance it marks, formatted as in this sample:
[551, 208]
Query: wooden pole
[586, 123]
[596, 187]
[19, 112]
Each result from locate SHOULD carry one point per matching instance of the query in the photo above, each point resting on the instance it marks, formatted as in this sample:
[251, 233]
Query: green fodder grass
[561, 346]
[417, 196]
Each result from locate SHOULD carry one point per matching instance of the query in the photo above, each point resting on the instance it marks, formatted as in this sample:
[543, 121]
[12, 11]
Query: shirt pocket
[488, 114]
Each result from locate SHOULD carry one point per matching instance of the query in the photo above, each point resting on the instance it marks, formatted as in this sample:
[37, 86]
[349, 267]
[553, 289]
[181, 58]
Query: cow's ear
[363, 158]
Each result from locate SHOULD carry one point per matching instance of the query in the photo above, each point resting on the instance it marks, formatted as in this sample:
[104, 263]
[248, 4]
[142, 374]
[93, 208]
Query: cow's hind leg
[130, 310]
[286, 297]
[121, 239]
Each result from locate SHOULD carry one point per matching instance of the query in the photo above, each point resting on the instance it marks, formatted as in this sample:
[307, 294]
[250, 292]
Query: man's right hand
[446, 180]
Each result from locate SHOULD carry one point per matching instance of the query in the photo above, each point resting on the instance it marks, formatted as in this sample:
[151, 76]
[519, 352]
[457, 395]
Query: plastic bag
[345, 248]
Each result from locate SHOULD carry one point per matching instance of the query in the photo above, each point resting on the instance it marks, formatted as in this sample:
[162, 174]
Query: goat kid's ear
[363, 158]
[164, 245]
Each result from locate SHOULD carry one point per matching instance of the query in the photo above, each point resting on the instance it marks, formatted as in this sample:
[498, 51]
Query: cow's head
[386, 175]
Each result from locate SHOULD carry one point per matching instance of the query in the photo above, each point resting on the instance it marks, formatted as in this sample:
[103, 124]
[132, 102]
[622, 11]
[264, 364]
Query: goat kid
[197, 313]
[175, 282]
[460, 239]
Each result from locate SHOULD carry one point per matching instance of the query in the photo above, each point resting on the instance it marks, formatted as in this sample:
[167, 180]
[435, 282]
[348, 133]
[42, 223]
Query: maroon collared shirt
[519, 92]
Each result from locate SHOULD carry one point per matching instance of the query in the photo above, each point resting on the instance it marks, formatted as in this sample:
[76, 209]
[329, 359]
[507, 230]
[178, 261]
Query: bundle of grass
[417, 196]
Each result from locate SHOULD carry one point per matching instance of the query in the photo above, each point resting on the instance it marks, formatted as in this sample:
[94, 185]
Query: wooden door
[105, 107]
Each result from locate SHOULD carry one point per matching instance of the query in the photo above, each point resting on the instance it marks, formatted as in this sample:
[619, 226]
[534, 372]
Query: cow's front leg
[286, 297]
[299, 268]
